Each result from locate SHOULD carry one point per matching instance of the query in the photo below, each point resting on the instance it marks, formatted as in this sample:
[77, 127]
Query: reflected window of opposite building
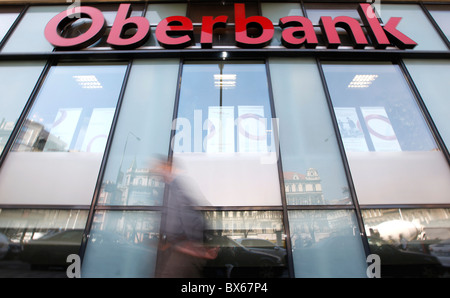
[385, 136]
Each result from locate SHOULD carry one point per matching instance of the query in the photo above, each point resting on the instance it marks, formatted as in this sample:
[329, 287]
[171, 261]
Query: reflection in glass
[387, 141]
[142, 133]
[312, 164]
[326, 244]
[59, 148]
[251, 244]
[431, 78]
[441, 14]
[15, 93]
[224, 133]
[36, 243]
[410, 242]
[122, 244]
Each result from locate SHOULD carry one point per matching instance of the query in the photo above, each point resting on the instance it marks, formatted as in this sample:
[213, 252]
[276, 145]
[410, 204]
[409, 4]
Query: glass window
[415, 25]
[29, 34]
[224, 133]
[142, 132]
[441, 14]
[59, 148]
[431, 79]
[326, 244]
[410, 242]
[309, 149]
[15, 93]
[392, 155]
[317, 10]
[251, 243]
[122, 244]
[8, 16]
[36, 243]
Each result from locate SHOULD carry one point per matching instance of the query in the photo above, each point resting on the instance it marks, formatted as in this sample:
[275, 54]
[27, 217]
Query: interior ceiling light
[88, 82]
[362, 81]
[225, 81]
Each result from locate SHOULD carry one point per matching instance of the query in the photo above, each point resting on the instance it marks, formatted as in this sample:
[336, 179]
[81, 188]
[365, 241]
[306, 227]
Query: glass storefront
[294, 158]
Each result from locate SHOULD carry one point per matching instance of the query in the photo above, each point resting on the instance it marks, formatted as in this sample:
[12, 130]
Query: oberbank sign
[177, 32]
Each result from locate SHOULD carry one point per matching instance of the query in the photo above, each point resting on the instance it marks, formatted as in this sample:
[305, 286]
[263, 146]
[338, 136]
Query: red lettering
[387, 35]
[352, 26]
[250, 32]
[208, 26]
[122, 23]
[241, 24]
[169, 29]
[297, 31]
[396, 37]
[95, 31]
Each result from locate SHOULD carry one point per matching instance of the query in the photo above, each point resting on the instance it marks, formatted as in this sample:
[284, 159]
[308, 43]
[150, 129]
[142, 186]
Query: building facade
[311, 134]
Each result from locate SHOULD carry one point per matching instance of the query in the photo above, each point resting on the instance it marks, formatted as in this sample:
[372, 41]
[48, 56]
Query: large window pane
[251, 244]
[410, 242]
[441, 14]
[415, 25]
[326, 243]
[431, 78]
[142, 133]
[58, 151]
[122, 244]
[17, 80]
[8, 16]
[392, 154]
[36, 243]
[312, 164]
[29, 34]
[224, 133]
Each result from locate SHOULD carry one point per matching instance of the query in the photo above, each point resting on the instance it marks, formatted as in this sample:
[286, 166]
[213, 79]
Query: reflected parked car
[236, 260]
[263, 245]
[396, 262]
[441, 251]
[52, 249]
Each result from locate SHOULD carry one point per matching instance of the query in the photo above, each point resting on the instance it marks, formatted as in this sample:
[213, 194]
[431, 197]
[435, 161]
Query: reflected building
[139, 186]
[303, 189]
